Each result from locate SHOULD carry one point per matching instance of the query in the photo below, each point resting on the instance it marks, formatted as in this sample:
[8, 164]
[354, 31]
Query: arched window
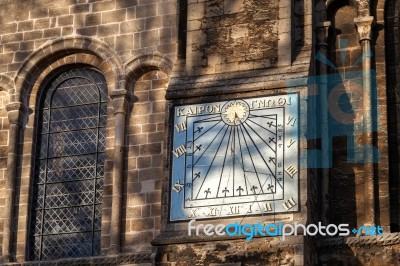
[69, 166]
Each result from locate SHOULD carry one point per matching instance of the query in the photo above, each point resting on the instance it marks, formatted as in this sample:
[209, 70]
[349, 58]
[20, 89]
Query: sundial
[235, 158]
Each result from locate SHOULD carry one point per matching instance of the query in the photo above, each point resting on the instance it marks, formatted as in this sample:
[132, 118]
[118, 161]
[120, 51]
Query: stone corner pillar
[364, 30]
[120, 100]
[16, 112]
[322, 31]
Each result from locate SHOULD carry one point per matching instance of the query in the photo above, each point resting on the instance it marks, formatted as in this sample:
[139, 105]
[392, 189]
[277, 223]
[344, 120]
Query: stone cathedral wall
[159, 54]
[129, 29]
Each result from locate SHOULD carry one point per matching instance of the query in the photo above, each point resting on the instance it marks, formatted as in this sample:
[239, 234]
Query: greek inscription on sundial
[235, 158]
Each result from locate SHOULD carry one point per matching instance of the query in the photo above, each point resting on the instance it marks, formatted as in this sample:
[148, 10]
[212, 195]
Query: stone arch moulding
[51, 52]
[29, 81]
[362, 6]
[141, 64]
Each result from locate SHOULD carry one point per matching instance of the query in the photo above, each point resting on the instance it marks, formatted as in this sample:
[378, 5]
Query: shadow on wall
[392, 17]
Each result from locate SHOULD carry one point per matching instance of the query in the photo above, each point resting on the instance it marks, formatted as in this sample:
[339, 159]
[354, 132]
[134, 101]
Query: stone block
[144, 2]
[67, 31]
[124, 42]
[131, 13]
[148, 10]
[130, 163]
[284, 12]
[136, 199]
[52, 33]
[133, 212]
[125, 4]
[113, 16]
[168, 48]
[166, 8]
[131, 238]
[87, 31]
[150, 149]
[107, 30]
[148, 186]
[157, 95]
[79, 8]
[32, 35]
[11, 47]
[6, 58]
[21, 56]
[158, 107]
[39, 12]
[169, 20]
[132, 26]
[144, 162]
[196, 11]
[153, 23]
[104, 6]
[156, 137]
[155, 210]
[12, 37]
[3, 138]
[147, 128]
[153, 197]
[42, 23]
[25, 25]
[150, 174]
[147, 237]
[133, 186]
[149, 38]
[138, 119]
[92, 19]
[156, 118]
[165, 35]
[57, 9]
[146, 211]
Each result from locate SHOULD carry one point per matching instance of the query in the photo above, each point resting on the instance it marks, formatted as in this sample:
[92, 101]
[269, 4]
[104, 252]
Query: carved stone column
[364, 29]
[322, 35]
[16, 112]
[120, 100]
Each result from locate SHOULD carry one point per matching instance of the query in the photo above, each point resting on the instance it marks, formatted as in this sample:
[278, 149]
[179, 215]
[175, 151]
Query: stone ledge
[362, 241]
[181, 237]
[245, 81]
[143, 259]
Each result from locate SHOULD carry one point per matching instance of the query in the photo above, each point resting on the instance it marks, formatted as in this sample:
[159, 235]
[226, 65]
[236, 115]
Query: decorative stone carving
[322, 32]
[15, 110]
[364, 26]
[120, 99]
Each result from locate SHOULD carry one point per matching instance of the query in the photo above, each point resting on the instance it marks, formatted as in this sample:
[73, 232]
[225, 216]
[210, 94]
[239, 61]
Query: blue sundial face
[234, 158]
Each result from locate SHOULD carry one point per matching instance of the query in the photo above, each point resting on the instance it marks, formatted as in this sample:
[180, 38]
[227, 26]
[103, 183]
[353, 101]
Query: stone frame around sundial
[235, 158]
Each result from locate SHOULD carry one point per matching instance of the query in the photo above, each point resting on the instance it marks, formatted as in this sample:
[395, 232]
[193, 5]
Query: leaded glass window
[69, 167]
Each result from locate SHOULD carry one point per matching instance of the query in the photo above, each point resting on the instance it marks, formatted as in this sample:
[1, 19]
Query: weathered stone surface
[226, 49]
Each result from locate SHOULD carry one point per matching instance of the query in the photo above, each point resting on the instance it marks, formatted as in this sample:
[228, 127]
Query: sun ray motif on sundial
[239, 155]
[235, 112]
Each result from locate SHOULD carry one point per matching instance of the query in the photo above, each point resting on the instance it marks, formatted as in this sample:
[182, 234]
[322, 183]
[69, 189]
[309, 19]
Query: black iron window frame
[43, 225]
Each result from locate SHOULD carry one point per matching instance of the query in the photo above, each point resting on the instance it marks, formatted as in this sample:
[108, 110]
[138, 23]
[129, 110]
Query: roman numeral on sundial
[179, 151]
[192, 213]
[290, 119]
[180, 127]
[291, 143]
[289, 204]
[267, 207]
[291, 171]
